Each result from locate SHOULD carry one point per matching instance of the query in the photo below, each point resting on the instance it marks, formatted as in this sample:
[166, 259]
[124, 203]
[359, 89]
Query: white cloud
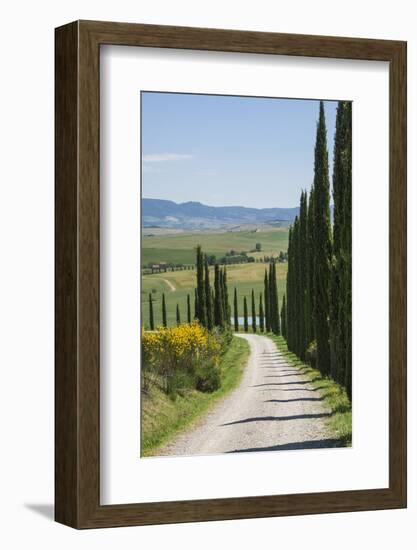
[165, 157]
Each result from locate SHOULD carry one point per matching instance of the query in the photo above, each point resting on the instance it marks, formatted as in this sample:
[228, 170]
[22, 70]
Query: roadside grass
[335, 397]
[163, 417]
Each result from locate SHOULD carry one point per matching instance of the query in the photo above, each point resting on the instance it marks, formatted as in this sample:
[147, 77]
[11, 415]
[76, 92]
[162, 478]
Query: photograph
[246, 274]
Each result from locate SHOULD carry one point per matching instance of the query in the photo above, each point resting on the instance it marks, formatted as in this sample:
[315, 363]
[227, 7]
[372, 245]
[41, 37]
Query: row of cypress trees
[258, 318]
[272, 316]
[211, 305]
[212, 308]
[341, 267]
[318, 295]
[299, 329]
[164, 312]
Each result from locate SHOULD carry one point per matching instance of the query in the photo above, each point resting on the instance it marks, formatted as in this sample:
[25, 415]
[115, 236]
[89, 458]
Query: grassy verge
[335, 397]
[162, 417]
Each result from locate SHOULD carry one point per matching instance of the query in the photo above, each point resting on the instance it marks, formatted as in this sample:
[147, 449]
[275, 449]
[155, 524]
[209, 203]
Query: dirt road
[274, 407]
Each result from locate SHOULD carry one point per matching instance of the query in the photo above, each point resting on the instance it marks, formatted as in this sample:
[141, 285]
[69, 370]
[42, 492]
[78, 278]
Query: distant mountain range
[194, 215]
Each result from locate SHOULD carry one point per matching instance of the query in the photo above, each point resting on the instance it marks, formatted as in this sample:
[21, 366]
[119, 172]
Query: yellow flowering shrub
[180, 355]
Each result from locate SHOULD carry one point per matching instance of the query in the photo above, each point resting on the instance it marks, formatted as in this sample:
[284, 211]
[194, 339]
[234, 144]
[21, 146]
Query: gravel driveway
[274, 407]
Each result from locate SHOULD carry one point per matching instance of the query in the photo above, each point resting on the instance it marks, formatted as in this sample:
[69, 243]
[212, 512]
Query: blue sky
[228, 150]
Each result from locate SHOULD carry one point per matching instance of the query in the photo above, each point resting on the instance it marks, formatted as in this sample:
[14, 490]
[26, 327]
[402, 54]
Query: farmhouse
[159, 268]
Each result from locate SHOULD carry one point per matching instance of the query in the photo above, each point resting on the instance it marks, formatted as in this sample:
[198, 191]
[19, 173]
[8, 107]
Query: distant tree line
[230, 258]
[317, 311]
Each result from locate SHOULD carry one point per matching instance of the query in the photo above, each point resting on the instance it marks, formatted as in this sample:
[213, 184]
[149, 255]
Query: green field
[180, 247]
[177, 284]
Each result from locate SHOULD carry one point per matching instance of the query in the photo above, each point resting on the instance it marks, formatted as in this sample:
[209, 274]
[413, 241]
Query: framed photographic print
[230, 274]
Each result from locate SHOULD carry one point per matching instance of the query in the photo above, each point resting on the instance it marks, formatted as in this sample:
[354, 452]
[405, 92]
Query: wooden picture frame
[77, 374]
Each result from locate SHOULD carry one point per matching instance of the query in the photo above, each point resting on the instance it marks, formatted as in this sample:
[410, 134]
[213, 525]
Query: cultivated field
[180, 248]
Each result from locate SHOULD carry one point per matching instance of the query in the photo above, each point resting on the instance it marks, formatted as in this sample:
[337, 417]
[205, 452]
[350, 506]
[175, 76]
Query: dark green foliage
[151, 320]
[261, 314]
[201, 313]
[221, 297]
[245, 315]
[283, 318]
[297, 298]
[273, 305]
[195, 304]
[316, 317]
[218, 302]
[341, 283]
[253, 312]
[207, 295]
[278, 321]
[235, 311]
[208, 378]
[302, 277]
[178, 315]
[297, 287]
[212, 304]
[188, 309]
[212, 307]
[322, 246]
[310, 335]
[225, 295]
[267, 309]
[164, 311]
[290, 293]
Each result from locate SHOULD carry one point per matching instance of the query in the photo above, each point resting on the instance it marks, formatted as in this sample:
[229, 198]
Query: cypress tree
[245, 315]
[283, 318]
[201, 299]
[261, 314]
[276, 298]
[221, 295]
[195, 304]
[188, 309]
[289, 294]
[341, 283]
[310, 334]
[303, 275]
[298, 317]
[271, 299]
[266, 295]
[164, 311]
[337, 357]
[347, 249]
[151, 321]
[178, 315]
[235, 311]
[253, 312]
[212, 305]
[218, 304]
[207, 295]
[226, 305]
[322, 245]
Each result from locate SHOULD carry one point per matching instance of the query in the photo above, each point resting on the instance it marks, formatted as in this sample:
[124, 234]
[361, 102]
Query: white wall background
[26, 272]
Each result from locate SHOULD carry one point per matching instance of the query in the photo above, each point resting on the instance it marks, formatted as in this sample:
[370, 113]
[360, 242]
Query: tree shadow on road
[315, 444]
[278, 418]
[294, 400]
[282, 375]
[298, 382]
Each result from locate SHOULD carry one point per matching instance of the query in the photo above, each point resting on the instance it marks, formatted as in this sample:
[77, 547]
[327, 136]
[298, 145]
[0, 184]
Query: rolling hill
[195, 215]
